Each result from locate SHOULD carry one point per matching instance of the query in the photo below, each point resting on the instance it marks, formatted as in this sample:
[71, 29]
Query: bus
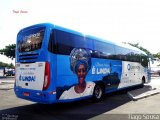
[55, 64]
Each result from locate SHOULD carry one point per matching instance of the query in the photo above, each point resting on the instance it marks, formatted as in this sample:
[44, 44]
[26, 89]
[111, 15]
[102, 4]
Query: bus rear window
[30, 40]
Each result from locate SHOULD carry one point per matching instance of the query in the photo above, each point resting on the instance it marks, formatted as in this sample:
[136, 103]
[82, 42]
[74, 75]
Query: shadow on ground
[85, 109]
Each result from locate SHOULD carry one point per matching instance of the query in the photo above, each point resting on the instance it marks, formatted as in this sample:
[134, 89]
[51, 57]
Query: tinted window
[51, 45]
[127, 54]
[144, 60]
[104, 50]
[135, 56]
[122, 53]
[67, 41]
[30, 40]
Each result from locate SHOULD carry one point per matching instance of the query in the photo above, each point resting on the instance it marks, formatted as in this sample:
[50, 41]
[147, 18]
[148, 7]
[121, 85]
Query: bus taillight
[46, 76]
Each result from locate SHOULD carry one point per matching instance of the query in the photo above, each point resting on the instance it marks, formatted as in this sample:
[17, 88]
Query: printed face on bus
[81, 73]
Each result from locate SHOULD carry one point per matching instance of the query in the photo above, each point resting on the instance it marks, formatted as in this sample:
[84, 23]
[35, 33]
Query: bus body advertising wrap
[55, 64]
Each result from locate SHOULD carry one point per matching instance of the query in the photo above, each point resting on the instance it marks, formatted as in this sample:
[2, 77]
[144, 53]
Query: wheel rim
[98, 92]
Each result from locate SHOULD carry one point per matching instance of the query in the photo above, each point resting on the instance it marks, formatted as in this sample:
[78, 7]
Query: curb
[6, 82]
[6, 88]
[143, 95]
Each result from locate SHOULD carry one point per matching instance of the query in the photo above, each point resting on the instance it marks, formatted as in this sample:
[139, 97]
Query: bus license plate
[26, 94]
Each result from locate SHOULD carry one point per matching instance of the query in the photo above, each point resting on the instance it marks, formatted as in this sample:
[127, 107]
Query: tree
[3, 64]
[11, 65]
[9, 51]
[157, 55]
[141, 48]
[6, 65]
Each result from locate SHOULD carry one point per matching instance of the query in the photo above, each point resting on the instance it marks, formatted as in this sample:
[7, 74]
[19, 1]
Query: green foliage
[141, 48]
[157, 55]
[9, 51]
[6, 65]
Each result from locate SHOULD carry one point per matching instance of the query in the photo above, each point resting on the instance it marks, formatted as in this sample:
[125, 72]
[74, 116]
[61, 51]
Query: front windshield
[30, 40]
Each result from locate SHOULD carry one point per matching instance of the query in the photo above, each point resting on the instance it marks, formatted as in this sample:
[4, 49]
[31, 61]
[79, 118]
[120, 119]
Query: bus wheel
[97, 93]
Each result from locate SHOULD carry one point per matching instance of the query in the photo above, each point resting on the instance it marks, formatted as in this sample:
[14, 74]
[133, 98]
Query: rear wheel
[98, 93]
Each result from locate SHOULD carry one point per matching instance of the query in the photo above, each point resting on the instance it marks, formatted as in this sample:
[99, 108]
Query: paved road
[6, 83]
[6, 79]
[115, 106]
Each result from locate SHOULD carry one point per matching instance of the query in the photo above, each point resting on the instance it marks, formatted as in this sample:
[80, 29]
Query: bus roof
[100, 39]
[127, 46]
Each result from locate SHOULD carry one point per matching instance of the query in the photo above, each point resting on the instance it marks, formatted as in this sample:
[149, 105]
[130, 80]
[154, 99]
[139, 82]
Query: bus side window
[67, 41]
[51, 45]
[127, 55]
[104, 50]
[144, 60]
[120, 53]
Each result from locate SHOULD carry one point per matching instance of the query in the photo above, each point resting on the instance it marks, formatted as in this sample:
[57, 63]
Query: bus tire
[98, 92]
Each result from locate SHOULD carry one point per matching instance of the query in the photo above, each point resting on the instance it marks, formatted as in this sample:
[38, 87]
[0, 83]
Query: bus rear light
[46, 76]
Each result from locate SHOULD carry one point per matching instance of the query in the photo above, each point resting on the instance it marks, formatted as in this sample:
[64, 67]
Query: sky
[134, 21]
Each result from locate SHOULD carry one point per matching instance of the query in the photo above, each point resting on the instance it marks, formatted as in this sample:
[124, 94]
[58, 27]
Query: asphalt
[6, 83]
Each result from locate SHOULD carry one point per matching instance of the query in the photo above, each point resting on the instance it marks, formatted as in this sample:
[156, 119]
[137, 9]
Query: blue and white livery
[55, 64]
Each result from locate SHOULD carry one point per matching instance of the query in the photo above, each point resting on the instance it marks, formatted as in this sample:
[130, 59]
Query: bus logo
[133, 67]
[27, 78]
[129, 66]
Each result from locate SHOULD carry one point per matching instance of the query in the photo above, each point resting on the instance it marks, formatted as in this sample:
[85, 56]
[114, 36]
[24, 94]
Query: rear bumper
[45, 97]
